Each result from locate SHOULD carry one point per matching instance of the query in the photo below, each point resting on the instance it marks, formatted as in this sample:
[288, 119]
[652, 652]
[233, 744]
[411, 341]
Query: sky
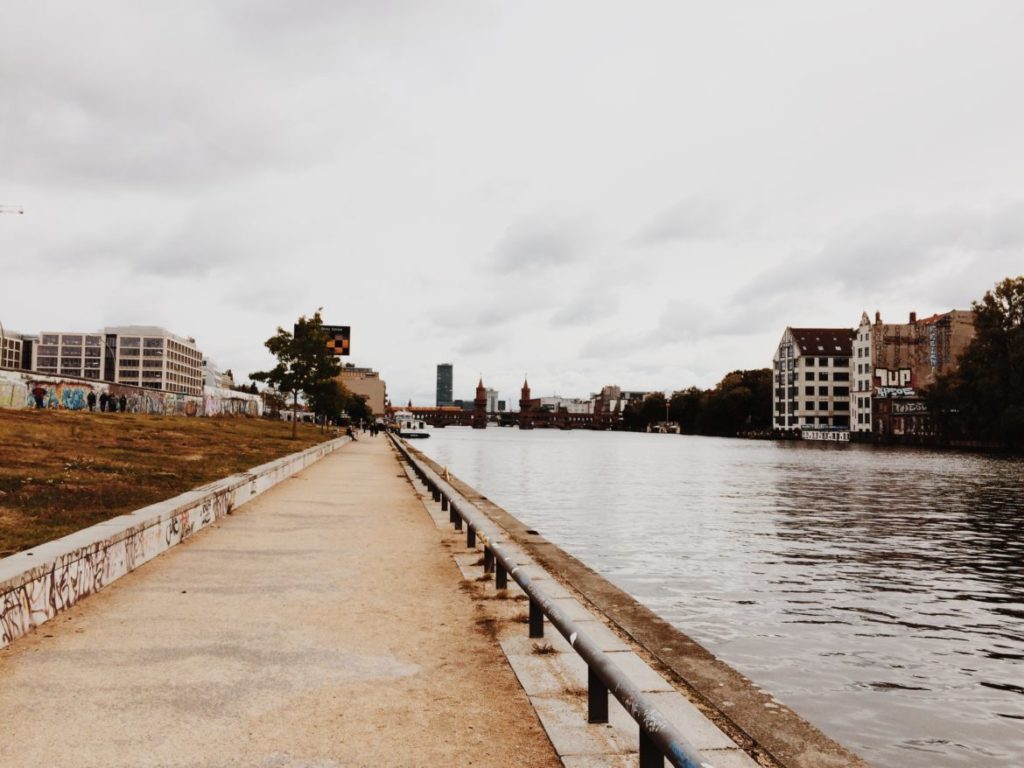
[587, 193]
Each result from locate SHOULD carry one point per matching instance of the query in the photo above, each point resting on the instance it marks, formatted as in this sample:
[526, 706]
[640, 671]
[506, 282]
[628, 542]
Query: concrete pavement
[320, 625]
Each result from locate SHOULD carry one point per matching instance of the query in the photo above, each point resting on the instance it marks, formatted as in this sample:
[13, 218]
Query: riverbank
[752, 717]
[66, 470]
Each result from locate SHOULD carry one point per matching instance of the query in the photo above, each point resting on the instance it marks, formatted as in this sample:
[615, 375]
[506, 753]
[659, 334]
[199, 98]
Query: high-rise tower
[444, 384]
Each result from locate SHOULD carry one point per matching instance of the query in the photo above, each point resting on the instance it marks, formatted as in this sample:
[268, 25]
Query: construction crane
[11, 209]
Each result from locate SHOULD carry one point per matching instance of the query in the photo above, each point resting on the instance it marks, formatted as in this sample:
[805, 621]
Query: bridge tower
[480, 406]
[525, 416]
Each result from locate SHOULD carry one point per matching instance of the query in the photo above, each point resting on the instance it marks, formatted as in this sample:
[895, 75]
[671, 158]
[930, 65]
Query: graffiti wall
[20, 390]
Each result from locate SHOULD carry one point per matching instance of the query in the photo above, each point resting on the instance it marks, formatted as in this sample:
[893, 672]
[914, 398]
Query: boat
[409, 427]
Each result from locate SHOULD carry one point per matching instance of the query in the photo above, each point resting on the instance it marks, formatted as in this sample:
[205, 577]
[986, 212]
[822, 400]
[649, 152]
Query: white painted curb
[39, 583]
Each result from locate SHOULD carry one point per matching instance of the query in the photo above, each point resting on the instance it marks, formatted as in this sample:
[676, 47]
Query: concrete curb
[39, 583]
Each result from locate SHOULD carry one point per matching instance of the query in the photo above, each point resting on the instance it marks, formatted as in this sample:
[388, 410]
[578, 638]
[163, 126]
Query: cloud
[538, 243]
[895, 250]
[696, 218]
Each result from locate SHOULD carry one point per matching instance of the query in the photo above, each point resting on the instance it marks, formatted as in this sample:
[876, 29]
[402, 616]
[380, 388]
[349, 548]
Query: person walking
[38, 393]
[124, 403]
[103, 402]
[90, 399]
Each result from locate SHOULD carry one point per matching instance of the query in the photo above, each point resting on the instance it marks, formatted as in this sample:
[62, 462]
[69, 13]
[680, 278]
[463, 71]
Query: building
[12, 346]
[492, 400]
[70, 354]
[367, 383]
[444, 385]
[863, 374]
[906, 358]
[214, 377]
[811, 379]
[153, 358]
[480, 406]
[136, 355]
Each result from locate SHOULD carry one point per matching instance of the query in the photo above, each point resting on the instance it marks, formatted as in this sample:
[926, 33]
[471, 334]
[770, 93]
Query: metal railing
[659, 739]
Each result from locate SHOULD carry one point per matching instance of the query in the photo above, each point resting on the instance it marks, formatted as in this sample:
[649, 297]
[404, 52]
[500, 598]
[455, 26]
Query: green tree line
[740, 403]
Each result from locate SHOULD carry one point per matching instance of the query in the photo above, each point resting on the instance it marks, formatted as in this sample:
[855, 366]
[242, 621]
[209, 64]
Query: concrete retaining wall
[39, 583]
[69, 393]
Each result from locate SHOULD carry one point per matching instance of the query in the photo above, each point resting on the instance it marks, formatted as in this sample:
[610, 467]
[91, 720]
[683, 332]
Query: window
[131, 341]
[823, 421]
[822, 391]
[810, 361]
[823, 406]
[842, 392]
[808, 390]
[842, 405]
[809, 405]
[823, 361]
[809, 376]
[822, 375]
[841, 376]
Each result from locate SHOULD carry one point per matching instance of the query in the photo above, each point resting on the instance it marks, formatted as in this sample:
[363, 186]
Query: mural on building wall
[895, 383]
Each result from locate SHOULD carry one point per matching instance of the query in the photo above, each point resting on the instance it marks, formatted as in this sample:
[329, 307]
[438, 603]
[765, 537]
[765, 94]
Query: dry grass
[63, 471]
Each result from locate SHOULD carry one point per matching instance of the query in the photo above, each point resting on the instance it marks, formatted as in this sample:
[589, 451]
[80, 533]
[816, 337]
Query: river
[879, 592]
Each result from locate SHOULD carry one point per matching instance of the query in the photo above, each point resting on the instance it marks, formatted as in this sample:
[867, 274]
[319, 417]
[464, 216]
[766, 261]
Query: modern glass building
[444, 384]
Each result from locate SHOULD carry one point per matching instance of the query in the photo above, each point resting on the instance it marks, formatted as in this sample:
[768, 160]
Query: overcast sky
[643, 194]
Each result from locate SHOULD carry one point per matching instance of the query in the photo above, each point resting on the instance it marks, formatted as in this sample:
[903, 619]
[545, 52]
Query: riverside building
[811, 380]
[908, 357]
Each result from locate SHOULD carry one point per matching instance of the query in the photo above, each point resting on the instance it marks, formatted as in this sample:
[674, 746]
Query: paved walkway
[321, 625]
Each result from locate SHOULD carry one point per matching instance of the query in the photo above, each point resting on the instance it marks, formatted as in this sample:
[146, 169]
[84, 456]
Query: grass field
[61, 471]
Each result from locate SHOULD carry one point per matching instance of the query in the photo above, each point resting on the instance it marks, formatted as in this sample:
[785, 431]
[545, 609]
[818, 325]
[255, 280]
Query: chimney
[878, 316]
[913, 317]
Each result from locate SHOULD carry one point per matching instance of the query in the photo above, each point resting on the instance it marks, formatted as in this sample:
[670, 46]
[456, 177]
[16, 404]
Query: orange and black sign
[338, 338]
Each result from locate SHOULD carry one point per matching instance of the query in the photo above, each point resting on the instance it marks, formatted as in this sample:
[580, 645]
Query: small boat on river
[408, 426]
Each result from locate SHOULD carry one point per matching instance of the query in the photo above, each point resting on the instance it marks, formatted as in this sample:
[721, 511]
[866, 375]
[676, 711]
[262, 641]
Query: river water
[879, 592]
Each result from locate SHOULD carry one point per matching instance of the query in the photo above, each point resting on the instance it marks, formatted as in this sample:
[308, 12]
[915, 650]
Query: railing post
[500, 576]
[536, 619]
[488, 560]
[453, 513]
[650, 755]
[444, 503]
[434, 492]
[597, 698]
[470, 537]
[458, 522]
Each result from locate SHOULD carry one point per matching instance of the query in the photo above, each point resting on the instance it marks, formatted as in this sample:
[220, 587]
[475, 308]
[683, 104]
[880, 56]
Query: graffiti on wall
[894, 383]
[911, 407]
[70, 395]
[85, 571]
[18, 391]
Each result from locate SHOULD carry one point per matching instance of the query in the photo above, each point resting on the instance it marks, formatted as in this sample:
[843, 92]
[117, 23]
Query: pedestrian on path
[38, 393]
[90, 399]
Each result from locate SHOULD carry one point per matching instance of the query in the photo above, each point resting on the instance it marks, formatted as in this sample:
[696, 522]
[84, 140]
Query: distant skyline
[581, 192]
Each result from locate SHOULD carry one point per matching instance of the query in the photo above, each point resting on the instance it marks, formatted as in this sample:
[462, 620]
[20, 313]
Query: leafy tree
[304, 364]
[984, 397]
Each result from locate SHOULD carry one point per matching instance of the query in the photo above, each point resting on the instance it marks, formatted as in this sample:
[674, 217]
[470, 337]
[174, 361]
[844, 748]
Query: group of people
[110, 403]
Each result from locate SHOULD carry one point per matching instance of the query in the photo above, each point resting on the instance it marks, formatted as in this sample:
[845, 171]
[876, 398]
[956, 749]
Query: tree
[304, 364]
[984, 396]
